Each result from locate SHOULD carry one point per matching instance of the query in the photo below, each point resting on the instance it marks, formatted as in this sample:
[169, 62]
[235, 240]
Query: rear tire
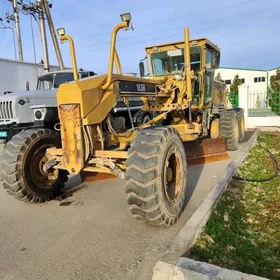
[141, 117]
[22, 173]
[241, 125]
[156, 176]
[229, 128]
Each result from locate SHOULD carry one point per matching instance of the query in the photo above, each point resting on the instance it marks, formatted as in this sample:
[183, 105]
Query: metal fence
[263, 104]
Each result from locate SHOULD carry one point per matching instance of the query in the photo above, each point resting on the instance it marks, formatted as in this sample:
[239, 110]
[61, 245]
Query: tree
[273, 94]
[233, 91]
[235, 84]
[219, 77]
[275, 81]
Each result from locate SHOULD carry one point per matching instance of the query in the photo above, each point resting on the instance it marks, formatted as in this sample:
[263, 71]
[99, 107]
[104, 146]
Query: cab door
[209, 76]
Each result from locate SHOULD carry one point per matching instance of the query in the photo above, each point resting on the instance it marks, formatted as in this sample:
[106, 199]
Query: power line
[177, 27]
[165, 37]
[186, 16]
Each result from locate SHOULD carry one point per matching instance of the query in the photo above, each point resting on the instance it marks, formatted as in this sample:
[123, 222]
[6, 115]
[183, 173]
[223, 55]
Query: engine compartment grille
[6, 110]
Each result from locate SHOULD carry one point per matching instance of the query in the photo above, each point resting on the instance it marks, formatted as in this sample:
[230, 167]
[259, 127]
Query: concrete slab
[195, 270]
[91, 233]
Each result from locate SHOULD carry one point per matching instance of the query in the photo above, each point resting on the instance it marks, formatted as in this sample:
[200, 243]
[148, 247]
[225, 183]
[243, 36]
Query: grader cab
[151, 158]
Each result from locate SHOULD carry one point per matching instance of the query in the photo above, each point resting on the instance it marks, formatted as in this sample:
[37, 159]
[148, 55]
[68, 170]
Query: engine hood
[31, 95]
[15, 107]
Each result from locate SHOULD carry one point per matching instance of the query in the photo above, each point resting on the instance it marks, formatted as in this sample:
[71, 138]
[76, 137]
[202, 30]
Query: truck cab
[34, 108]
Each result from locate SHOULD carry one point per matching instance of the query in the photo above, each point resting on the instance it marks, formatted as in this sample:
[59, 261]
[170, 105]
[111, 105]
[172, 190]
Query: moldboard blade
[206, 150]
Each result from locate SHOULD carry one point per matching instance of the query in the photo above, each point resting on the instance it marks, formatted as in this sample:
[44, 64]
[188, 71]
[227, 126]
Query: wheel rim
[39, 177]
[215, 129]
[236, 131]
[243, 127]
[173, 176]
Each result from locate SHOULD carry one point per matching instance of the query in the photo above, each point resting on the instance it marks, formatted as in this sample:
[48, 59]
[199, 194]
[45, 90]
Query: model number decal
[141, 87]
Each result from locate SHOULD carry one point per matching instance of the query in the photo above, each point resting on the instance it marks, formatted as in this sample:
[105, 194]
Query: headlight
[38, 114]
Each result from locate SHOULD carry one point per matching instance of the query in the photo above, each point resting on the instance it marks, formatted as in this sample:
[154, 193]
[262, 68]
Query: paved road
[90, 234]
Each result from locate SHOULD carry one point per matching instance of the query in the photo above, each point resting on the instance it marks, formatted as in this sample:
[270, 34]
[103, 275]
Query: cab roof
[201, 39]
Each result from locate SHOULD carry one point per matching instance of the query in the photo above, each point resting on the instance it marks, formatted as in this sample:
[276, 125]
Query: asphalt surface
[90, 233]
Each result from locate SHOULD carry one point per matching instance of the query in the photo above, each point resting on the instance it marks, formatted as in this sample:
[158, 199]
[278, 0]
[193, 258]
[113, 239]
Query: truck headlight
[38, 114]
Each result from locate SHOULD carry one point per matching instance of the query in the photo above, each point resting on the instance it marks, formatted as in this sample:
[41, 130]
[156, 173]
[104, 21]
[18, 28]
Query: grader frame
[85, 104]
[151, 157]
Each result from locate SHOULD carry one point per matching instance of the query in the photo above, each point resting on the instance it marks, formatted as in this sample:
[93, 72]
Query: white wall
[247, 74]
[15, 74]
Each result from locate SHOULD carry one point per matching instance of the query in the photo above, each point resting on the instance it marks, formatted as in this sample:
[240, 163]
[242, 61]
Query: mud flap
[206, 150]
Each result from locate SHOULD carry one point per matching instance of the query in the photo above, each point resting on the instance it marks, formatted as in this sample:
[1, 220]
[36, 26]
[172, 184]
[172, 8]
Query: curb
[195, 270]
[165, 269]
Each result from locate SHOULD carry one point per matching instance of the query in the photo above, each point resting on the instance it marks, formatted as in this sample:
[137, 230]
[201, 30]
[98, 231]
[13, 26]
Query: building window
[242, 81]
[259, 79]
[227, 82]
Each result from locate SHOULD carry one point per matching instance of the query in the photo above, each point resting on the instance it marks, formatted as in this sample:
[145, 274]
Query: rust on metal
[206, 150]
[110, 154]
[88, 177]
[173, 177]
[72, 137]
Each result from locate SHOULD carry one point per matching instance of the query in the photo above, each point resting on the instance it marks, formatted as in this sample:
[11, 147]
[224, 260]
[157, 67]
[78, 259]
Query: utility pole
[15, 8]
[43, 36]
[53, 34]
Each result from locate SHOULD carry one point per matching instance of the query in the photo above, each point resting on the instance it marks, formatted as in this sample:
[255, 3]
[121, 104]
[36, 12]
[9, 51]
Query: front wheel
[156, 176]
[22, 174]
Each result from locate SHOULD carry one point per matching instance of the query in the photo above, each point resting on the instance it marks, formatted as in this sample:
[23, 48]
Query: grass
[243, 232]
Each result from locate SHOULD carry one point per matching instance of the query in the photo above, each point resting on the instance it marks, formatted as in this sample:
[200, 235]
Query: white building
[256, 79]
[14, 74]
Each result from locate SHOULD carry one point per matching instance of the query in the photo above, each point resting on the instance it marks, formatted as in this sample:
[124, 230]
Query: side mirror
[27, 85]
[142, 69]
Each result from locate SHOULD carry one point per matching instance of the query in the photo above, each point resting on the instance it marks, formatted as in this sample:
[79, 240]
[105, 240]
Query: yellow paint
[188, 64]
[215, 129]
[112, 53]
[72, 137]
[73, 54]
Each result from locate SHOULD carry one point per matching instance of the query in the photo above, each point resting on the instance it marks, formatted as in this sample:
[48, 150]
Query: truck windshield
[62, 78]
[54, 80]
[171, 62]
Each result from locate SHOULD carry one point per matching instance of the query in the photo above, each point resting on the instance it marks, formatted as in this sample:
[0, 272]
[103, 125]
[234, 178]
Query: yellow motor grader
[185, 103]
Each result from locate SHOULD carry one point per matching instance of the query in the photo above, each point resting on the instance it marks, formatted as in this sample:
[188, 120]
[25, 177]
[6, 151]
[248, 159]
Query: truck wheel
[241, 125]
[22, 174]
[141, 117]
[156, 176]
[215, 129]
[229, 128]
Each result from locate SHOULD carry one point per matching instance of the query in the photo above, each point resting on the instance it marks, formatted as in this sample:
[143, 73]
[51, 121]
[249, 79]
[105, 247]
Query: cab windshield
[54, 80]
[171, 62]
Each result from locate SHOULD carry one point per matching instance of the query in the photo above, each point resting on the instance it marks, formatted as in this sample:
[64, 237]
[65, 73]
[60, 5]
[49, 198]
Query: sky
[247, 31]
